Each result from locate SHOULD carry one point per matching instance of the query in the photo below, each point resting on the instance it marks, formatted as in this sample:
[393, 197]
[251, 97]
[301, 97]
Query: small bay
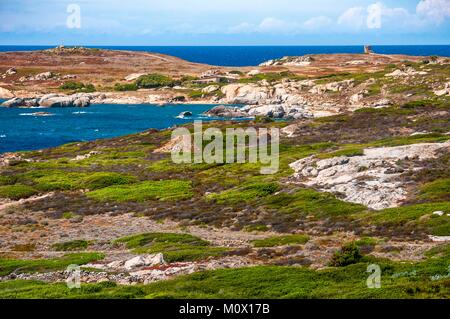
[36, 128]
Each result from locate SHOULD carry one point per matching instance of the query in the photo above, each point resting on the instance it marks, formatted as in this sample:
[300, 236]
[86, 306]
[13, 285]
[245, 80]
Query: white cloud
[267, 25]
[317, 23]
[353, 18]
[243, 27]
[273, 25]
[434, 10]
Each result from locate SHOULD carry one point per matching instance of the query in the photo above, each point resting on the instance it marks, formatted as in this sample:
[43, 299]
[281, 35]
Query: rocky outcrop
[6, 94]
[210, 89]
[9, 72]
[55, 100]
[444, 91]
[133, 76]
[288, 99]
[52, 100]
[251, 94]
[226, 111]
[21, 102]
[332, 87]
[408, 71]
[371, 179]
[290, 61]
[139, 261]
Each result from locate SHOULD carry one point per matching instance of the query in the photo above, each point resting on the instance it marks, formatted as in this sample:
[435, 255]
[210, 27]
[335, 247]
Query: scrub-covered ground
[225, 230]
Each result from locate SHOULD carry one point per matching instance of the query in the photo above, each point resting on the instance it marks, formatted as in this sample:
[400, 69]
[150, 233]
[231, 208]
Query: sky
[226, 22]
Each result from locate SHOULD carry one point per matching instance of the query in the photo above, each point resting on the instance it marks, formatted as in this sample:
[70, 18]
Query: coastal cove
[24, 129]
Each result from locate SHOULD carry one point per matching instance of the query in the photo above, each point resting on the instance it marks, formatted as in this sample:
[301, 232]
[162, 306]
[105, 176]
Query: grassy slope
[399, 280]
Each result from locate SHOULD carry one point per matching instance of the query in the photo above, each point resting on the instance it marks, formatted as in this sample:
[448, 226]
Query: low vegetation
[175, 247]
[281, 241]
[154, 80]
[349, 254]
[425, 279]
[168, 190]
[8, 266]
[246, 193]
[78, 87]
[74, 245]
[17, 191]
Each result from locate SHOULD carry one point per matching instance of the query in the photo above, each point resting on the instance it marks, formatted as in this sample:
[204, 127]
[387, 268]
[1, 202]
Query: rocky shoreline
[295, 87]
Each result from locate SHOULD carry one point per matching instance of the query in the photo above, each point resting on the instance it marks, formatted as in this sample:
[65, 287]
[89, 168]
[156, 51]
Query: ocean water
[21, 130]
[254, 55]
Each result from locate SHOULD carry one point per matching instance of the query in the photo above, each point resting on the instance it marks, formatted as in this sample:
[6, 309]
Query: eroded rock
[370, 179]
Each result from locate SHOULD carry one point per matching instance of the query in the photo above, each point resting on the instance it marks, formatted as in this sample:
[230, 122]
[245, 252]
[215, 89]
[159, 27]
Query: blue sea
[254, 55]
[21, 130]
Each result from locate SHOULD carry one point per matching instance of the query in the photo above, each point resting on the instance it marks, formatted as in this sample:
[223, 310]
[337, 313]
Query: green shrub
[7, 180]
[419, 214]
[196, 94]
[188, 78]
[256, 227]
[71, 245]
[166, 190]
[154, 80]
[281, 241]
[78, 87]
[246, 193]
[68, 215]
[51, 180]
[436, 190]
[17, 191]
[306, 202]
[104, 179]
[55, 180]
[349, 254]
[179, 98]
[125, 87]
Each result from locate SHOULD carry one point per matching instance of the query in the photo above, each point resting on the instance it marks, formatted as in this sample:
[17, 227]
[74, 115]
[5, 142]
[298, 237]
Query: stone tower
[368, 49]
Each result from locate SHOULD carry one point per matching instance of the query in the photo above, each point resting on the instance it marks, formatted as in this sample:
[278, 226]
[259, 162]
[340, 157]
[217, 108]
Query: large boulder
[251, 94]
[59, 101]
[56, 100]
[19, 102]
[14, 102]
[140, 261]
[273, 111]
[210, 89]
[43, 76]
[225, 111]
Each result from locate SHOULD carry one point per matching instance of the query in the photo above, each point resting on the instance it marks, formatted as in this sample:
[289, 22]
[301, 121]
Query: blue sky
[230, 22]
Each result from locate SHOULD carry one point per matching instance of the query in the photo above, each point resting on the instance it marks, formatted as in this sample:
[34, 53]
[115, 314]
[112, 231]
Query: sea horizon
[252, 55]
